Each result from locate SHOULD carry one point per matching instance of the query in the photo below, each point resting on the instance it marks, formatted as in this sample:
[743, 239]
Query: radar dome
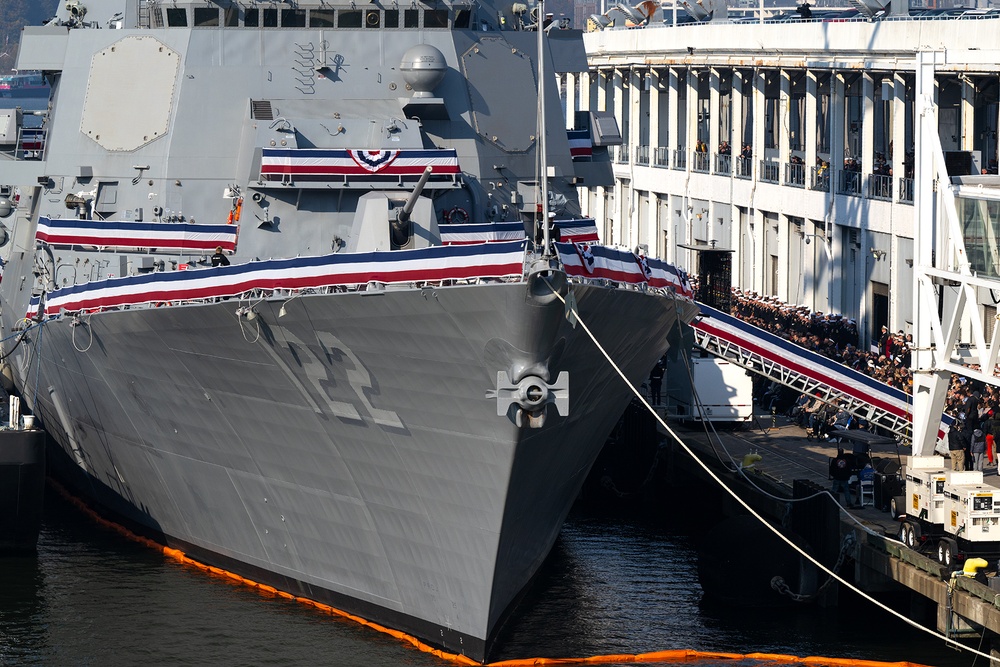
[423, 67]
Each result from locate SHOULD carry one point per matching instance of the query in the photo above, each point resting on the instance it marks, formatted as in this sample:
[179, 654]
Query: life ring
[457, 215]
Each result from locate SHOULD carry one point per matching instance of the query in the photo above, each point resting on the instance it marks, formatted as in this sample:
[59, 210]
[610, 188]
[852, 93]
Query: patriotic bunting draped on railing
[580, 146]
[124, 235]
[595, 261]
[490, 232]
[495, 260]
[815, 366]
[318, 164]
[570, 230]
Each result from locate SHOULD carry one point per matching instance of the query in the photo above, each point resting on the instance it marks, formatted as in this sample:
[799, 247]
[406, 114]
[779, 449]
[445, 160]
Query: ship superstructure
[273, 281]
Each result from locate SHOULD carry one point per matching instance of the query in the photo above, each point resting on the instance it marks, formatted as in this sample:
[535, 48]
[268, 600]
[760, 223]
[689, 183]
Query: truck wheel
[947, 551]
[896, 506]
[906, 534]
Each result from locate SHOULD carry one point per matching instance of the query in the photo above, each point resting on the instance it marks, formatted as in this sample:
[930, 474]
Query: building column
[602, 89]
[838, 110]
[571, 99]
[784, 112]
[737, 102]
[867, 139]
[898, 145]
[654, 115]
[616, 89]
[691, 117]
[634, 111]
[968, 113]
[715, 115]
[673, 86]
[759, 87]
[810, 137]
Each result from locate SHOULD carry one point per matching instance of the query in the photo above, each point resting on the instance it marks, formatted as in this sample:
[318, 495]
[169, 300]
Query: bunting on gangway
[802, 369]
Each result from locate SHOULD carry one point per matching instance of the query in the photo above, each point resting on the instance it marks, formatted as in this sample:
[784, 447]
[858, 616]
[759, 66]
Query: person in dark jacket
[977, 447]
[655, 382]
[958, 441]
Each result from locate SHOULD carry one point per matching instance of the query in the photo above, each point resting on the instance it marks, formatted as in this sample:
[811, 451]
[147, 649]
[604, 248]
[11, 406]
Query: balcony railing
[622, 155]
[700, 163]
[849, 183]
[744, 167]
[906, 190]
[662, 157]
[642, 154]
[769, 171]
[680, 159]
[819, 179]
[795, 174]
[880, 187]
[723, 165]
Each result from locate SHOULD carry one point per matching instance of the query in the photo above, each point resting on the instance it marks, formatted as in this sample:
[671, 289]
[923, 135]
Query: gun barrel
[404, 214]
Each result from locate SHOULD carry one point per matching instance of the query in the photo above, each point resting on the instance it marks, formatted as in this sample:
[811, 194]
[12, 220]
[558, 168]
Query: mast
[543, 182]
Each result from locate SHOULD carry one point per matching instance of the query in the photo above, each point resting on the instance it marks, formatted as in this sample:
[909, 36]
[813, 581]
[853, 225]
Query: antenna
[543, 157]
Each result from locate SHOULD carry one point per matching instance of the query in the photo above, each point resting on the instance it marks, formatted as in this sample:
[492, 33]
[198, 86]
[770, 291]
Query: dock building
[796, 145]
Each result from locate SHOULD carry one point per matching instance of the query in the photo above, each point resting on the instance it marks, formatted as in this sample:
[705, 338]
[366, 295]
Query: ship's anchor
[525, 401]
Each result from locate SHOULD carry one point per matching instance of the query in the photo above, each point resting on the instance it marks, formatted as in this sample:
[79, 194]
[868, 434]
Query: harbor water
[614, 584]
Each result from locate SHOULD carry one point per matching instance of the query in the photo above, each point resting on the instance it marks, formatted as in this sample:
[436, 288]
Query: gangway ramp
[774, 357]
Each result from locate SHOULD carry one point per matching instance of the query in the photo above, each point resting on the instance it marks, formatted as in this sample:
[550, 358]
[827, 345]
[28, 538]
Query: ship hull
[347, 450]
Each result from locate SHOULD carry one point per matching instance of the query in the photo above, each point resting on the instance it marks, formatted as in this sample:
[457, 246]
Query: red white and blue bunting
[494, 260]
[490, 232]
[580, 146]
[125, 235]
[571, 230]
[812, 365]
[278, 164]
[595, 261]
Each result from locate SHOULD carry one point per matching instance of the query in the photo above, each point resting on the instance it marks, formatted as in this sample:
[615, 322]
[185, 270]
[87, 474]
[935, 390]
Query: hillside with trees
[15, 14]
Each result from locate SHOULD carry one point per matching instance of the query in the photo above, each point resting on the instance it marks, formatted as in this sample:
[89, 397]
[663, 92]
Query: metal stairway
[805, 371]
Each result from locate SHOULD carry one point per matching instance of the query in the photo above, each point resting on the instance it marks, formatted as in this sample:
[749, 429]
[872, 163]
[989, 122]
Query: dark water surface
[612, 585]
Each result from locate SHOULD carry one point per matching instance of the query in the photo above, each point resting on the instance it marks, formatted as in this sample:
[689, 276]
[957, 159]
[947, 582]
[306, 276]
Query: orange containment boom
[680, 655]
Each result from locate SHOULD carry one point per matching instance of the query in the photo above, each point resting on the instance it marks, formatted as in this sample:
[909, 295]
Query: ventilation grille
[261, 110]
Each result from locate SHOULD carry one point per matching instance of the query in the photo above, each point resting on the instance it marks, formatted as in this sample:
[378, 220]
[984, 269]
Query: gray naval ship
[274, 283]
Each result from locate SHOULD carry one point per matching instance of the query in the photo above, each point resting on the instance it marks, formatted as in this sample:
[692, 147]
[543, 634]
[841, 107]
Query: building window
[321, 18]
[436, 18]
[251, 19]
[177, 17]
[349, 18]
[231, 16]
[411, 18]
[270, 18]
[205, 17]
[391, 18]
[293, 18]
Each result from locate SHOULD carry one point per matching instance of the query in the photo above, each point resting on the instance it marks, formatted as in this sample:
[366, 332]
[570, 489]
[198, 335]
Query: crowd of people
[974, 405]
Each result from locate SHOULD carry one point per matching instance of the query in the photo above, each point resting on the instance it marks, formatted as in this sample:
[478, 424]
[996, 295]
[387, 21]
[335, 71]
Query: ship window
[293, 18]
[232, 16]
[391, 18]
[372, 18]
[321, 18]
[177, 17]
[462, 19]
[436, 18]
[270, 18]
[349, 18]
[411, 18]
[206, 16]
[251, 19]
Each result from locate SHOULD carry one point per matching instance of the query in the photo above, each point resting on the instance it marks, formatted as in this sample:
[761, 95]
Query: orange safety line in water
[680, 655]
[181, 557]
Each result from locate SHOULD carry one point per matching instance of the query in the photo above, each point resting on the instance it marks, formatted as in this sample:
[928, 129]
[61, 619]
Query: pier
[777, 463]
